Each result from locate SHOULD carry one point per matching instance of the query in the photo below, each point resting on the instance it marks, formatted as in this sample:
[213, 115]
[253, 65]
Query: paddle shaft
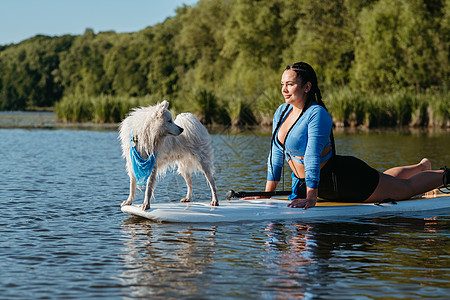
[233, 194]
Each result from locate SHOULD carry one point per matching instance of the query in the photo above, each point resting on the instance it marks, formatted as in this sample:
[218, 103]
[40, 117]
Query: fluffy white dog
[152, 142]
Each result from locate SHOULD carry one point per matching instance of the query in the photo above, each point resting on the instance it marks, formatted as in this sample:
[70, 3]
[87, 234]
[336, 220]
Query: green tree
[397, 46]
[162, 76]
[82, 67]
[255, 31]
[199, 44]
[324, 37]
[29, 73]
[125, 66]
[443, 45]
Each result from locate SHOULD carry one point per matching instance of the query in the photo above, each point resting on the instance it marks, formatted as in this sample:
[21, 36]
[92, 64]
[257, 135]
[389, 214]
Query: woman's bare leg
[406, 172]
[390, 187]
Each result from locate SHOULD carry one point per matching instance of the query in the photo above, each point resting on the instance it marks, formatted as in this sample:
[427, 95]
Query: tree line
[223, 59]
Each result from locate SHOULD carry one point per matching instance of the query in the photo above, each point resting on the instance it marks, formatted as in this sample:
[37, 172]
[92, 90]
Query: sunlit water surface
[63, 235]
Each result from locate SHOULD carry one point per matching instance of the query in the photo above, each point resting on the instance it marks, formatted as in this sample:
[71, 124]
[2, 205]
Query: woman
[302, 134]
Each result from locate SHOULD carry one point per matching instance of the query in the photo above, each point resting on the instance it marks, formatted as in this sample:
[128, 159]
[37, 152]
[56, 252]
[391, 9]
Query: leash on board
[445, 181]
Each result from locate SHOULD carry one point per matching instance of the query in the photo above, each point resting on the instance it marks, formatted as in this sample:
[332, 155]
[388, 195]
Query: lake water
[63, 235]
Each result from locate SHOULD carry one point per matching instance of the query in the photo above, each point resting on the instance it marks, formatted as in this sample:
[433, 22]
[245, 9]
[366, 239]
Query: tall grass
[347, 107]
[99, 109]
[400, 108]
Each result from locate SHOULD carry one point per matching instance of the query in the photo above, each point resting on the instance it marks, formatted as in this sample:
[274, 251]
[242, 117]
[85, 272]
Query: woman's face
[293, 91]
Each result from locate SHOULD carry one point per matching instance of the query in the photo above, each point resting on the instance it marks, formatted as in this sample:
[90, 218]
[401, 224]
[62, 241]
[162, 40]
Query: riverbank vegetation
[379, 62]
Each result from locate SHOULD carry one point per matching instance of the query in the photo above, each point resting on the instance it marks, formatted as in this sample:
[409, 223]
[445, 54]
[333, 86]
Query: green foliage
[402, 108]
[29, 74]
[205, 105]
[383, 62]
[438, 109]
[267, 104]
[324, 37]
[397, 47]
[98, 109]
[346, 106]
[75, 108]
[82, 66]
[254, 31]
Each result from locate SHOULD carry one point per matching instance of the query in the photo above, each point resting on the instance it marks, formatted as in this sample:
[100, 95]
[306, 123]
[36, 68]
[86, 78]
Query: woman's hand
[309, 201]
[303, 203]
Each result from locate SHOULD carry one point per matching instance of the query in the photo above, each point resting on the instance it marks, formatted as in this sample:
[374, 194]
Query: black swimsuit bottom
[347, 179]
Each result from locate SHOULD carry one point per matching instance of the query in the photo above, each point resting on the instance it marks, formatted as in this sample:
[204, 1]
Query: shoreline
[48, 120]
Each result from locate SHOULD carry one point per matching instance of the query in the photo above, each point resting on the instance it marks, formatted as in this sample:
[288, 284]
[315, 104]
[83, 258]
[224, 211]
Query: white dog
[151, 138]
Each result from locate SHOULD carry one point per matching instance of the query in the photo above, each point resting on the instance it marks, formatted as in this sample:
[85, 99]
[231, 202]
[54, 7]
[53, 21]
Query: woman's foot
[426, 164]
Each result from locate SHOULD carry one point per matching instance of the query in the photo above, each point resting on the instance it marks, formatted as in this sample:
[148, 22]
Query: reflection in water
[318, 259]
[64, 236]
[162, 260]
[339, 260]
[291, 252]
[418, 258]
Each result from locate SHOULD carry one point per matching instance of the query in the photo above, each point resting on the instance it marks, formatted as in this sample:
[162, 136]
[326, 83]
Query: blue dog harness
[142, 168]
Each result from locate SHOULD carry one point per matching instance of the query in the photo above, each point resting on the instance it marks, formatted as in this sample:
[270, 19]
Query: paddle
[232, 194]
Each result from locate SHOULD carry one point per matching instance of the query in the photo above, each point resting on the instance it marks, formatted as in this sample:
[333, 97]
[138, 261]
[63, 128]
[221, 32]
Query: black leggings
[342, 179]
[347, 179]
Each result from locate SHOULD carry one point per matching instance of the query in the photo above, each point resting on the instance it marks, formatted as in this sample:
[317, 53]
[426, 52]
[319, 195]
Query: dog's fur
[184, 143]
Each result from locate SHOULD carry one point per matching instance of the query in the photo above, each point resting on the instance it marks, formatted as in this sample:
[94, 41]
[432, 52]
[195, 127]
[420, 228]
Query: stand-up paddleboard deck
[276, 209]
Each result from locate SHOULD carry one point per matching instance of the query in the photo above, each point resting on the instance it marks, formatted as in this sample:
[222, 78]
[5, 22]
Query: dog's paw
[145, 206]
[126, 202]
[185, 200]
[214, 203]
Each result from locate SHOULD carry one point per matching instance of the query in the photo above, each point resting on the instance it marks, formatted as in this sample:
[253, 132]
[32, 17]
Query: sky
[23, 19]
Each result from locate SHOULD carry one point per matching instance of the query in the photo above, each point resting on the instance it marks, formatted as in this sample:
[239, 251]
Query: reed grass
[98, 109]
[400, 108]
[349, 108]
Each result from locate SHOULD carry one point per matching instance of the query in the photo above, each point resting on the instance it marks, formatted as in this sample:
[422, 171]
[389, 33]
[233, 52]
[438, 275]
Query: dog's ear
[161, 108]
[165, 103]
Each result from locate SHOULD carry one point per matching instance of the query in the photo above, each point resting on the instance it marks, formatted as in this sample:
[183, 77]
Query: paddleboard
[276, 209]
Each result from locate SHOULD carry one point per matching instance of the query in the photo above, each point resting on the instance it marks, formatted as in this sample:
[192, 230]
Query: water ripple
[64, 237]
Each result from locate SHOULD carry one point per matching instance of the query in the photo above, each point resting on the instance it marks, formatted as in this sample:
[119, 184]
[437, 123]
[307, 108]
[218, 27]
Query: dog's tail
[197, 137]
[193, 128]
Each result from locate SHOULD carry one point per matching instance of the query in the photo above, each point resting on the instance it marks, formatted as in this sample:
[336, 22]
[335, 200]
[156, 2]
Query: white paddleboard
[276, 209]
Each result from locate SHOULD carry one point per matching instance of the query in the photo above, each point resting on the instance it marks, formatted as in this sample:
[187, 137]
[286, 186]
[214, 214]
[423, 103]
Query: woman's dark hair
[306, 73]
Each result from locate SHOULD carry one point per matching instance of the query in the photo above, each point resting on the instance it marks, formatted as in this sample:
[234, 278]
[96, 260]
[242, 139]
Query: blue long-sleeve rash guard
[307, 137]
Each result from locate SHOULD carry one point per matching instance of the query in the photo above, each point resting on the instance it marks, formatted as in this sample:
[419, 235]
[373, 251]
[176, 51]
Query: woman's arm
[319, 129]
[271, 185]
